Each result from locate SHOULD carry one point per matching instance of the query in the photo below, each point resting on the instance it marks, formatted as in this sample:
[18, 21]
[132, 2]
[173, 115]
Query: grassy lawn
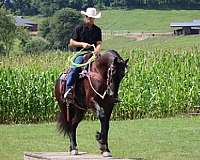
[142, 20]
[165, 42]
[119, 43]
[167, 139]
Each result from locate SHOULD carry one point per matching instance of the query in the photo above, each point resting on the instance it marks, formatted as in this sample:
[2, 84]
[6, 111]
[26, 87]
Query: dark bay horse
[99, 92]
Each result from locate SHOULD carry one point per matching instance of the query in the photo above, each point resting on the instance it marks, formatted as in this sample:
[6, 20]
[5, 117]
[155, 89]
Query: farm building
[31, 26]
[186, 28]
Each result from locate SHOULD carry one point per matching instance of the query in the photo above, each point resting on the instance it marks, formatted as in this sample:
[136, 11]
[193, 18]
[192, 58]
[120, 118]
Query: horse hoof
[74, 152]
[107, 154]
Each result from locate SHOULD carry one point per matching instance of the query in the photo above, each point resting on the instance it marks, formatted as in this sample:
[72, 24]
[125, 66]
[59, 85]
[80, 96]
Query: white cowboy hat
[91, 12]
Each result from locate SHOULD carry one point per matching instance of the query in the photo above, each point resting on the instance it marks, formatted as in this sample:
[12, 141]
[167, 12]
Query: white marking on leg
[74, 152]
[107, 154]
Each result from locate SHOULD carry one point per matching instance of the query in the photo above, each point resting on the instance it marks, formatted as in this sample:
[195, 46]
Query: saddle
[82, 75]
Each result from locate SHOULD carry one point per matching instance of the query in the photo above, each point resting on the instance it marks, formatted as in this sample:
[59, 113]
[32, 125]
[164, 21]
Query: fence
[109, 34]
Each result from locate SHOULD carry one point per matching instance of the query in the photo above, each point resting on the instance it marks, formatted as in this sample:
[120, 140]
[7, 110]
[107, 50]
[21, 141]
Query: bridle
[109, 81]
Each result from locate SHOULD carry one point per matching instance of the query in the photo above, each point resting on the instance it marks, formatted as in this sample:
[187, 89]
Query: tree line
[49, 7]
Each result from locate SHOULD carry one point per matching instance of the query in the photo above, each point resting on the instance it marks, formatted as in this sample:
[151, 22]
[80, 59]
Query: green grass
[165, 42]
[120, 43]
[170, 42]
[163, 139]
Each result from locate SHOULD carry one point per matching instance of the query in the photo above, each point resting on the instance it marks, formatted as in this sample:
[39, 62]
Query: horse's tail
[63, 124]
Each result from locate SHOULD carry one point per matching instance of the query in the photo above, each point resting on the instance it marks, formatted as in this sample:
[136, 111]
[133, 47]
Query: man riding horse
[83, 36]
[97, 91]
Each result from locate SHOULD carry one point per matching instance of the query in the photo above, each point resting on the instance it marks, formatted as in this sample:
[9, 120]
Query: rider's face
[89, 20]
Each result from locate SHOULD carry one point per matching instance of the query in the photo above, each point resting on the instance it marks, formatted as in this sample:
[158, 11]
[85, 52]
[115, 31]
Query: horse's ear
[126, 61]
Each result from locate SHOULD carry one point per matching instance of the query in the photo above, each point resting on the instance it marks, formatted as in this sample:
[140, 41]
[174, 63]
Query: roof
[196, 20]
[20, 21]
[194, 23]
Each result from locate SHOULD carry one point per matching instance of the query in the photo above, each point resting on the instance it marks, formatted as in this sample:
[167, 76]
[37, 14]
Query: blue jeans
[74, 71]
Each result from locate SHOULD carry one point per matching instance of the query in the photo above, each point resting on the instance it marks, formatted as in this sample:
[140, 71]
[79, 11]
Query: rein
[108, 83]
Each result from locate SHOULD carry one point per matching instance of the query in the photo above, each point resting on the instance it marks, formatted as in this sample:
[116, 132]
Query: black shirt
[82, 33]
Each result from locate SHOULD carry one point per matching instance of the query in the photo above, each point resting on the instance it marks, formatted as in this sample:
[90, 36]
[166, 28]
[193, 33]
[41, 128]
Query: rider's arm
[98, 47]
[73, 43]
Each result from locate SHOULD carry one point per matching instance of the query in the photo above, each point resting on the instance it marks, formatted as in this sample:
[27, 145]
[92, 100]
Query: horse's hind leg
[78, 116]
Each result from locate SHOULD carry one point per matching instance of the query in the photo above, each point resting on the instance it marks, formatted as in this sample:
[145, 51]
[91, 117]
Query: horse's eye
[114, 72]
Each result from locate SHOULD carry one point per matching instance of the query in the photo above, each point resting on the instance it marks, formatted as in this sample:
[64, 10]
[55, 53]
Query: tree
[23, 7]
[76, 4]
[49, 7]
[2, 3]
[57, 30]
[7, 31]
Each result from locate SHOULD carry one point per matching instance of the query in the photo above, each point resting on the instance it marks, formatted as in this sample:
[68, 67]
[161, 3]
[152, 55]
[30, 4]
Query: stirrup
[68, 92]
[83, 74]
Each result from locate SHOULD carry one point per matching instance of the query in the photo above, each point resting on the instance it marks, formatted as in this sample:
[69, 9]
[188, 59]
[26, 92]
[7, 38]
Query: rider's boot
[68, 92]
[69, 84]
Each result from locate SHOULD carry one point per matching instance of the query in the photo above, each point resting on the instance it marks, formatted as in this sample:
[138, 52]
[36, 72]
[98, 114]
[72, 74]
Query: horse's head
[119, 68]
[116, 71]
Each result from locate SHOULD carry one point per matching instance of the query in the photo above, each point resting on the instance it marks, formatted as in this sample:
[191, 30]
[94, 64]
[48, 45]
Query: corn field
[159, 83]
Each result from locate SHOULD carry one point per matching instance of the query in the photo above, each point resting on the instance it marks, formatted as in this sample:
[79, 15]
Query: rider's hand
[97, 54]
[86, 45]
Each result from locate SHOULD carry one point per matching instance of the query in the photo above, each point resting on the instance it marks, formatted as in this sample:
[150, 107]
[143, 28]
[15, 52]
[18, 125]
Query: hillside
[141, 20]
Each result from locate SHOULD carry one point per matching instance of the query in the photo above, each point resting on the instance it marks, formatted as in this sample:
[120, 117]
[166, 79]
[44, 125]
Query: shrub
[36, 45]
[7, 31]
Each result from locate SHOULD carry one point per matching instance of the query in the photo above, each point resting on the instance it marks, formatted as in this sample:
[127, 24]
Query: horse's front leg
[102, 137]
